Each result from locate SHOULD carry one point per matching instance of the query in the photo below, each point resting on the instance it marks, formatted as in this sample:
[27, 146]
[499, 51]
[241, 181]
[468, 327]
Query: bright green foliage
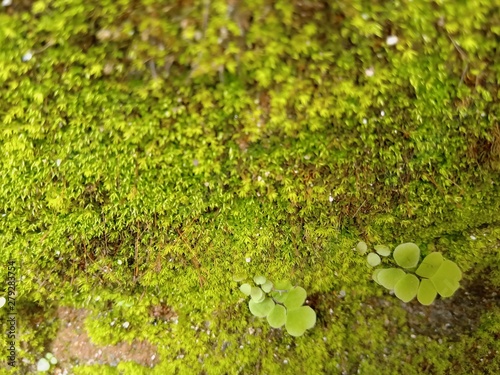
[407, 255]
[281, 305]
[300, 319]
[407, 287]
[438, 274]
[389, 277]
[257, 294]
[446, 279]
[426, 292]
[430, 265]
[148, 148]
[361, 248]
[373, 260]
[382, 250]
[277, 317]
[259, 280]
[295, 298]
[246, 289]
[261, 309]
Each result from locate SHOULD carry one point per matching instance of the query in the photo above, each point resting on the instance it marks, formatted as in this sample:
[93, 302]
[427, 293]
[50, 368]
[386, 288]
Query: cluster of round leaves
[435, 274]
[43, 364]
[280, 303]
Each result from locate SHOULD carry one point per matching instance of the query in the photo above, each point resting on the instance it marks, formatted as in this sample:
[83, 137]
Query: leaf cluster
[280, 303]
[435, 274]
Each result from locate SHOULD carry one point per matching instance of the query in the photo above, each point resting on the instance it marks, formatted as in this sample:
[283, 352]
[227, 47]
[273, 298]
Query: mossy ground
[148, 149]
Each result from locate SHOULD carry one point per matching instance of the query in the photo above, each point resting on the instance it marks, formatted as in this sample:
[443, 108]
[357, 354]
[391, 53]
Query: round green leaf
[361, 248]
[267, 286]
[375, 275]
[430, 265]
[426, 292]
[3, 301]
[449, 270]
[259, 280]
[444, 286]
[389, 277]
[246, 289]
[407, 255]
[373, 259]
[261, 309]
[239, 277]
[42, 365]
[53, 360]
[257, 294]
[277, 316]
[296, 298]
[299, 320]
[382, 250]
[406, 288]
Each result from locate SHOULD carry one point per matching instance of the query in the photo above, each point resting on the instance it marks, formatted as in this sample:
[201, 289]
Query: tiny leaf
[444, 286]
[256, 294]
[246, 289]
[375, 275]
[277, 316]
[430, 265]
[361, 248]
[382, 250]
[267, 286]
[406, 288]
[42, 365]
[296, 298]
[261, 309]
[390, 276]
[259, 280]
[426, 292]
[407, 255]
[299, 320]
[373, 259]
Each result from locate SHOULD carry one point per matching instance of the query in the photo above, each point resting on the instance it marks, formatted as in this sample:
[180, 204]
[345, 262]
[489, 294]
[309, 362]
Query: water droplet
[27, 56]
[392, 40]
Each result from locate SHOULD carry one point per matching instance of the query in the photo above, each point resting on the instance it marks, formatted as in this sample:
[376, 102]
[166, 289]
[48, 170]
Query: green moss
[182, 140]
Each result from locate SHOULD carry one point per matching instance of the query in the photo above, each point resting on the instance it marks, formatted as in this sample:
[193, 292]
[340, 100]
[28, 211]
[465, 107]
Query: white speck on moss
[382, 113]
[27, 56]
[392, 40]
[365, 121]
[58, 162]
[472, 238]
[248, 260]
[126, 325]
[370, 72]
[330, 198]
[119, 261]
[6, 3]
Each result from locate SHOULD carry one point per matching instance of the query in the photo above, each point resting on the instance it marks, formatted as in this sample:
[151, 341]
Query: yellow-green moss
[181, 139]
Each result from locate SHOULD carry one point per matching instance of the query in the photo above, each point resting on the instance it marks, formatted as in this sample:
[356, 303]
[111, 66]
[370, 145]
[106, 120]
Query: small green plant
[44, 363]
[435, 274]
[280, 303]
